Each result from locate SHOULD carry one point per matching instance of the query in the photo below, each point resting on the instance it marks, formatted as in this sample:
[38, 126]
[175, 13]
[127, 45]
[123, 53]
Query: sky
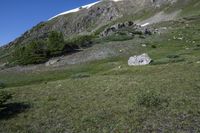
[18, 16]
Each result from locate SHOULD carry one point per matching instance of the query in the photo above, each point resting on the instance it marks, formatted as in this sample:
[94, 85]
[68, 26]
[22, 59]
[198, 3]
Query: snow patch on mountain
[90, 5]
[143, 25]
[76, 9]
[79, 8]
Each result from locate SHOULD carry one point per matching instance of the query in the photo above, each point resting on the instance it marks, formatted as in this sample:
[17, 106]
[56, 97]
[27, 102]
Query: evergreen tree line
[39, 51]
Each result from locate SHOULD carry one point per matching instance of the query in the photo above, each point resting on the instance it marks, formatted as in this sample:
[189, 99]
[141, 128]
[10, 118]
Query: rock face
[130, 27]
[114, 28]
[143, 59]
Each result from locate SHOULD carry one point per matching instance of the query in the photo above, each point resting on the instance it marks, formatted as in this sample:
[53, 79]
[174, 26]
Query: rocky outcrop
[108, 31]
[129, 26]
[143, 59]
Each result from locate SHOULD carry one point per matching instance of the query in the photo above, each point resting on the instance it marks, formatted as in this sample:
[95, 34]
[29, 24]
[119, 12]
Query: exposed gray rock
[52, 62]
[143, 59]
[2, 66]
[144, 45]
[110, 30]
[130, 27]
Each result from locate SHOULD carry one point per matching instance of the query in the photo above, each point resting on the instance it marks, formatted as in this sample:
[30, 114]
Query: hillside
[92, 20]
[90, 88]
[86, 18]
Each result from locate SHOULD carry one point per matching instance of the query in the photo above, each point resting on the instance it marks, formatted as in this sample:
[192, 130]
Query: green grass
[108, 103]
[100, 96]
[191, 9]
[21, 79]
[2, 85]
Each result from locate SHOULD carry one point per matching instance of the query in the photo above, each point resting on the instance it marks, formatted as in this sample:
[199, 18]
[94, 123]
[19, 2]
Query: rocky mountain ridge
[86, 19]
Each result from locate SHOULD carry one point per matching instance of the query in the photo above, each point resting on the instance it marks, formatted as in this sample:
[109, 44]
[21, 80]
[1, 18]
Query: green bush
[81, 41]
[80, 75]
[118, 38]
[173, 56]
[151, 99]
[153, 46]
[4, 96]
[142, 36]
[137, 32]
[196, 48]
[160, 61]
[167, 60]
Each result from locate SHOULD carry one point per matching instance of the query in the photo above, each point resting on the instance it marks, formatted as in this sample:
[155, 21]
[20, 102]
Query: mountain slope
[93, 89]
[108, 95]
[96, 17]
[87, 18]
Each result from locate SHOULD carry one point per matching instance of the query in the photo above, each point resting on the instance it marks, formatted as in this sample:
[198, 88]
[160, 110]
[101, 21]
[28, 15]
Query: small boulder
[143, 59]
[3, 65]
[144, 45]
[52, 62]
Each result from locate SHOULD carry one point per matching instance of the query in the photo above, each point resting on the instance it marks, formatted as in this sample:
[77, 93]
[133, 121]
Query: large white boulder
[143, 59]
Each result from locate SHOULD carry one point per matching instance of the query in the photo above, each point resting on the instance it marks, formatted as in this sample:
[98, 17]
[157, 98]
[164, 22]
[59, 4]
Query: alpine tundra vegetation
[71, 73]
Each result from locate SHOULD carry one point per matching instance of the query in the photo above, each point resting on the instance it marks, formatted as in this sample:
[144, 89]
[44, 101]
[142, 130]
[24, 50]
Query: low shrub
[118, 38]
[122, 33]
[142, 37]
[196, 48]
[176, 60]
[80, 75]
[153, 46]
[173, 56]
[167, 60]
[160, 61]
[81, 41]
[137, 32]
[4, 96]
[151, 99]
